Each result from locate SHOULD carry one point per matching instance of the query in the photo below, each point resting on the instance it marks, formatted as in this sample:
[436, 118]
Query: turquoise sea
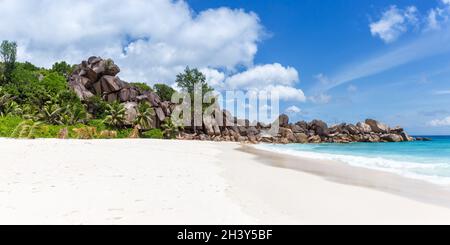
[428, 161]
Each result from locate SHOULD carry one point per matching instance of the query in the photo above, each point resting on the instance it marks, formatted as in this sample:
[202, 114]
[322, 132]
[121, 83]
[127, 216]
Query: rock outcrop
[98, 77]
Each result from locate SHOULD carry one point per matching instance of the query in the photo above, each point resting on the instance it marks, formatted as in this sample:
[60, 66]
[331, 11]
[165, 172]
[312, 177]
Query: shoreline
[343, 173]
[186, 182]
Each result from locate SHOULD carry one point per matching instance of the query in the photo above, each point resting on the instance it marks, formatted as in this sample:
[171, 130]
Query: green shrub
[26, 129]
[8, 124]
[142, 86]
[124, 133]
[164, 91]
[153, 134]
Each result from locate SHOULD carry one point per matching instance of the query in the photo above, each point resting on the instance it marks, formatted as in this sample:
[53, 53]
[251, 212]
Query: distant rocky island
[98, 77]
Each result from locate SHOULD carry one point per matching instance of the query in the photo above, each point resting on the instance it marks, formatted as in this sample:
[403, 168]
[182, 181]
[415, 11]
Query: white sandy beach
[181, 182]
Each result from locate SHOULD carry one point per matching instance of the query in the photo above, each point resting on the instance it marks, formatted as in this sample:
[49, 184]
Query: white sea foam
[437, 173]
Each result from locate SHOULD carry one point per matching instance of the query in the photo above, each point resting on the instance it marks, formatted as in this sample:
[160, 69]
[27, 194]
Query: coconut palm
[51, 113]
[115, 115]
[144, 117]
[171, 130]
[74, 114]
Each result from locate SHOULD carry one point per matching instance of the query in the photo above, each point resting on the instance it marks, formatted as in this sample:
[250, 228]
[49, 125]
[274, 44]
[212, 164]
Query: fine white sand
[181, 182]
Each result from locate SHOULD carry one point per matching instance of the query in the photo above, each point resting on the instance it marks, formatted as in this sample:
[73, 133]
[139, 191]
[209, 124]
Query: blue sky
[333, 37]
[336, 60]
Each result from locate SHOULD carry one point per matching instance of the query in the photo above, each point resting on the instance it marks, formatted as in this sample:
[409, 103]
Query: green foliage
[123, 133]
[51, 113]
[11, 108]
[97, 123]
[189, 78]
[171, 130]
[53, 83]
[8, 53]
[26, 129]
[155, 133]
[115, 115]
[62, 68]
[144, 117]
[36, 87]
[191, 81]
[142, 86]
[30, 67]
[5, 101]
[164, 91]
[8, 124]
[97, 106]
[74, 114]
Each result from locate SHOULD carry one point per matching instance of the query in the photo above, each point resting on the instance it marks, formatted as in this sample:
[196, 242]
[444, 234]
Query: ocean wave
[437, 173]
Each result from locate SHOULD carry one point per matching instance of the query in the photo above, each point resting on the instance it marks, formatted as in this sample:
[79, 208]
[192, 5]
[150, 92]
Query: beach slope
[181, 182]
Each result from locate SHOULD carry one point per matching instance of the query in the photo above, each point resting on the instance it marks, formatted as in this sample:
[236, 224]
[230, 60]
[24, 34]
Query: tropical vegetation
[37, 102]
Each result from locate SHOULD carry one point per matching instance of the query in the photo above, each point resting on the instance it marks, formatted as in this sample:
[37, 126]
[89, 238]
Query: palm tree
[74, 114]
[115, 115]
[51, 113]
[144, 117]
[170, 129]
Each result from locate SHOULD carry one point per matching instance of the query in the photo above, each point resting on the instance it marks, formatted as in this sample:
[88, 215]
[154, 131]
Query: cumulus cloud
[152, 39]
[214, 77]
[440, 122]
[269, 78]
[439, 16]
[264, 75]
[393, 23]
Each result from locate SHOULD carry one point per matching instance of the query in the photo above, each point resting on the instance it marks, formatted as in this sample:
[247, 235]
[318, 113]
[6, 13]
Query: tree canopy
[164, 91]
[189, 78]
[8, 53]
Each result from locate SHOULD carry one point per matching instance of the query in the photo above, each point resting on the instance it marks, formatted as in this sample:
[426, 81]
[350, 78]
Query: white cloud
[264, 75]
[446, 2]
[440, 122]
[286, 93]
[270, 78]
[293, 110]
[438, 17]
[214, 77]
[152, 40]
[393, 23]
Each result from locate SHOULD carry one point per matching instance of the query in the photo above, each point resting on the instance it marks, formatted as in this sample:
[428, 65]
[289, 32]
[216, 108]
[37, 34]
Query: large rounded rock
[130, 112]
[352, 129]
[377, 127]
[392, 138]
[283, 120]
[301, 138]
[314, 139]
[77, 84]
[364, 128]
[320, 127]
[406, 137]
